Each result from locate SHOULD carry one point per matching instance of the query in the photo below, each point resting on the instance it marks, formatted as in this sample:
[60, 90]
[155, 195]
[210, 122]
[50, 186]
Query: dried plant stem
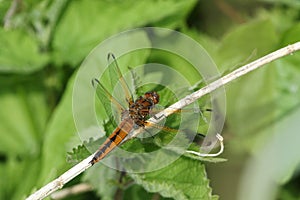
[83, 165]
[62, 180]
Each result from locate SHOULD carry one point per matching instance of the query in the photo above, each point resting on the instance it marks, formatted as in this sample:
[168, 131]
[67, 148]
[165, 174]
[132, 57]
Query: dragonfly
[133, 117]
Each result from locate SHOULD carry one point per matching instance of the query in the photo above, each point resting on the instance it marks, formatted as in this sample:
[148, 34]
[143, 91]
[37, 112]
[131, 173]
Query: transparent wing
[116, 75]
[106, 98]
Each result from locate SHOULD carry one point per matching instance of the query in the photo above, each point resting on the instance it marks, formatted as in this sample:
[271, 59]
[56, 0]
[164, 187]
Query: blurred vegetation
[42, 44]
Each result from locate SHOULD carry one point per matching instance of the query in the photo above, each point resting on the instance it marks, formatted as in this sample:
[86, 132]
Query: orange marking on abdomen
[114, 140]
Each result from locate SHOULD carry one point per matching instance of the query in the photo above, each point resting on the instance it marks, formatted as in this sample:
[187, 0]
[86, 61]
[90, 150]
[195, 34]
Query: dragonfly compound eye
[153, 96]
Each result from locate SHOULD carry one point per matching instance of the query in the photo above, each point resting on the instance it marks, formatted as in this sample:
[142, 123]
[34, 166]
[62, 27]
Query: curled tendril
[220, 138]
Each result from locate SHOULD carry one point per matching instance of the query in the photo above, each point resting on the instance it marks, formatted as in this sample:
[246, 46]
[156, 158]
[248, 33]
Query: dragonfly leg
[159, 117]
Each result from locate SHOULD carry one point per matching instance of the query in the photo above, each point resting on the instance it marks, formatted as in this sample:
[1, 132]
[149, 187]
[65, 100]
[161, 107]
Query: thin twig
[83, 165]
[62, 180]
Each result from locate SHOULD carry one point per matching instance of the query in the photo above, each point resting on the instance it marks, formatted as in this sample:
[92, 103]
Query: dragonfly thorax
[140, 109]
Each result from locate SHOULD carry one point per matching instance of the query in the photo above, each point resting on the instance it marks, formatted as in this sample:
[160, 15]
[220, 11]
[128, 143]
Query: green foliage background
[44, 42]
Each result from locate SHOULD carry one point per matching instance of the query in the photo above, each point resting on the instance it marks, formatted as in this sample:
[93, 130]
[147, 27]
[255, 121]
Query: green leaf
[251, 104]
[78, 153]
[20, 52]
[59, 131]
[18, 177]
[99, 20]
[289, 3]
[103, 180]
[4, 6]
[291, 35]
[176, 14]
[245, 43]
[183, 179]
[264, 98]
[136, 192]
[209, 43]
[282, 18]
[23, 116]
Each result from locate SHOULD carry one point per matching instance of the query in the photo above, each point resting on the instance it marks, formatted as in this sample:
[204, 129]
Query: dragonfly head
[153, 96]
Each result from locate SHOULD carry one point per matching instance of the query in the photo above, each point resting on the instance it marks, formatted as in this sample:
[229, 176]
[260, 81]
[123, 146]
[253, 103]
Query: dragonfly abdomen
[114, 140]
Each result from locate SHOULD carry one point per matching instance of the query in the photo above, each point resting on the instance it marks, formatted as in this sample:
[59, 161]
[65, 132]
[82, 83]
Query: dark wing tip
[94, 82]
[111, 55]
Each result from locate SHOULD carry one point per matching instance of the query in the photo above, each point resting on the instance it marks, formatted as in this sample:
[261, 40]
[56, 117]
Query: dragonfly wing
[106, 98]
[116, 75]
